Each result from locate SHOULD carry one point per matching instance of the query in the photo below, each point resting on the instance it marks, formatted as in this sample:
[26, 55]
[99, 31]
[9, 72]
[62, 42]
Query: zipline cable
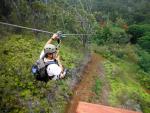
[28, 28]
[38, 30]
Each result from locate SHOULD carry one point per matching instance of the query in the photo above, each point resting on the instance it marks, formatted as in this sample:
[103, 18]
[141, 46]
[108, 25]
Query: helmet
[49, 48]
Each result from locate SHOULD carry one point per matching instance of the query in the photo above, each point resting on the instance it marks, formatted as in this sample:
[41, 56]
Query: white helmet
[49, 48]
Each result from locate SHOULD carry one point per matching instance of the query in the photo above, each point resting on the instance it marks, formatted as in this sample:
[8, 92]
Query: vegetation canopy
[120, 34]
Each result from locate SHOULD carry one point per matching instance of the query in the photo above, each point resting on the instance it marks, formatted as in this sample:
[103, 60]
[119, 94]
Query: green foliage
[144, 41]
[38, 6]
[110, 34]
[134, 11]
[125, 90]
[96, 89]
[97, 86]
[138, 31]
[48, 15]
[117, 52]
[20, 92]
[119, 36]
[124, 73]
[144, 61]
[144, 79]
[120, 22]
[132, 54]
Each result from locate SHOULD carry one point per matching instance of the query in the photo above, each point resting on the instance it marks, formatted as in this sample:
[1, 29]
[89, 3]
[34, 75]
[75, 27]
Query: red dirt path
[83, 91]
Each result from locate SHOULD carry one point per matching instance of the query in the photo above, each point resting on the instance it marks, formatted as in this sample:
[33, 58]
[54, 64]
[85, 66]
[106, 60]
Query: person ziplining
[49, 66]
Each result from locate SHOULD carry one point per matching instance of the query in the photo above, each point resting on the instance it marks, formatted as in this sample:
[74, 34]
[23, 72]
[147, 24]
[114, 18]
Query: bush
[137, 31]
[111, 34]
[144, 61]
[103, 36]
[144, 41]
[144, 79]
[119, 35]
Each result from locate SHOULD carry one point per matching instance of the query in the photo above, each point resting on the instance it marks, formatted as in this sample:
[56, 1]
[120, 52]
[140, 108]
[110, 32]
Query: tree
[136, 31]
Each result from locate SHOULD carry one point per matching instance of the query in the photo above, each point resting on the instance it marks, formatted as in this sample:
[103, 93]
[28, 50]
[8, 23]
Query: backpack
[39, 69]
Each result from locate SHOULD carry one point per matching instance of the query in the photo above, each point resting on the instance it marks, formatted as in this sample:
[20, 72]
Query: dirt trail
[83, 90]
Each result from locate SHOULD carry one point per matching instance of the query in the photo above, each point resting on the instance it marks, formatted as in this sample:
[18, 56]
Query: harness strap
[51, 62]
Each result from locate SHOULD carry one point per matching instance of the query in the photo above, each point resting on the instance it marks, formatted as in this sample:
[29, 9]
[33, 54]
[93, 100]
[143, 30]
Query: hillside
[105, 48]
[20, 91]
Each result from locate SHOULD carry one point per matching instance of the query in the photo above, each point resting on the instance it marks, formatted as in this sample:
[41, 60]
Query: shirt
[52, 69]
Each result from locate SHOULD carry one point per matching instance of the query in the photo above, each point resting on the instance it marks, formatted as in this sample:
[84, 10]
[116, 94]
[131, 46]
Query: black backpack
[39, 69]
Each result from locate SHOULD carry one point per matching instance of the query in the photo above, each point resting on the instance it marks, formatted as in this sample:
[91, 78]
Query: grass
[124, 77]
[96, 89]
[97, 86]
[125, 89]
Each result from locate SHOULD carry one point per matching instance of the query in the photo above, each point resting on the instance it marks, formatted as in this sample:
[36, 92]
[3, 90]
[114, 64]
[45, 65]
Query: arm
[59, 63]
[49, 41]
[62, 74]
